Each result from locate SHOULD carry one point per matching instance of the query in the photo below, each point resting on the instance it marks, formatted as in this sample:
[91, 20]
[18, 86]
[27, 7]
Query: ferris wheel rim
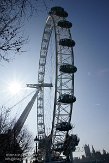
[51, 25]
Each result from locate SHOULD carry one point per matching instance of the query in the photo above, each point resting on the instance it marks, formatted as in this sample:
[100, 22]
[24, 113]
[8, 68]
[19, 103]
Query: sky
[90, 30]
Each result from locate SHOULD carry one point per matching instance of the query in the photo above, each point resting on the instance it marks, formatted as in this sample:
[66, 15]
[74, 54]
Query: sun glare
[14, 87]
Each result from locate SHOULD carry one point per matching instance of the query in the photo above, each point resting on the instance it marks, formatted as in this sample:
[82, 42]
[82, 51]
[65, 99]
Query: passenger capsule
[63, 126]
[67, 68]
[66, 98]
[67, 42]
[57, 8]
[64, 24]
[58, 11]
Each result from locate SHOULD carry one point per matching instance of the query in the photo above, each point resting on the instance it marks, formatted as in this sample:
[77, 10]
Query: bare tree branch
[12, 16]
[12, 13]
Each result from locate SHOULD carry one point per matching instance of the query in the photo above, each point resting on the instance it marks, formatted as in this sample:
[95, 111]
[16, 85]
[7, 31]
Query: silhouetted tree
[5, 125]
[12, 16]
[24, 139]
[10, 28]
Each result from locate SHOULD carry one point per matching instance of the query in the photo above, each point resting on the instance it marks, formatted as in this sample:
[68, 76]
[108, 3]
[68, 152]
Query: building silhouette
[87, 150]
[93, 156]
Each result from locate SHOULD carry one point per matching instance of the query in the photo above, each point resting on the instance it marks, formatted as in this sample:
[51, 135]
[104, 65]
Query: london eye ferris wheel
[60, 142]
[58, 145]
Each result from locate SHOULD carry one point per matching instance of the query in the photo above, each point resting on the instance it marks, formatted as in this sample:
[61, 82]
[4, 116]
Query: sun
[14, 87]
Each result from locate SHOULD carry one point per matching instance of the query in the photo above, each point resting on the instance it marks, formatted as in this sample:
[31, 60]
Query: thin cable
[21, 100]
